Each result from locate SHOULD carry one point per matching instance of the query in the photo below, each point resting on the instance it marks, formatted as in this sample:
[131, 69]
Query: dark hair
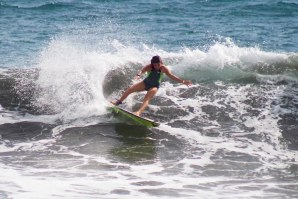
[156, 59]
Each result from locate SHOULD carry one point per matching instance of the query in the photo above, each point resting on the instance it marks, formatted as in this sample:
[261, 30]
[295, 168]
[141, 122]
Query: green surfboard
[132, 118]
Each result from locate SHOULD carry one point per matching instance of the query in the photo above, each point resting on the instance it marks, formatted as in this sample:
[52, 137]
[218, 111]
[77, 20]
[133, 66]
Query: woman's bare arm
[175, 78]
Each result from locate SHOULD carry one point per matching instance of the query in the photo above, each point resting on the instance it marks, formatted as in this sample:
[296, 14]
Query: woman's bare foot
[137, 113]
[116, 102]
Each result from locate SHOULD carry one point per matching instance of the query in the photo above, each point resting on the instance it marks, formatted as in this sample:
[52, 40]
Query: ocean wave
[281, 8]
[227, 61]
[72, 80]
[37, 6]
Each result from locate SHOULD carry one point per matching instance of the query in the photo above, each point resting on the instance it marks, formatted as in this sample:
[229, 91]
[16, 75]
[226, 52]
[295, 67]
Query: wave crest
[37, 6]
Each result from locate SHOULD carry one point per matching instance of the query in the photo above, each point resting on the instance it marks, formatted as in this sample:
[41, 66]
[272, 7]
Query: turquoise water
[232, 134]
[28, 26]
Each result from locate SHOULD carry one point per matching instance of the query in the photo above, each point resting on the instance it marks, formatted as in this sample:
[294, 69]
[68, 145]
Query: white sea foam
[70, 84]
[71, 76]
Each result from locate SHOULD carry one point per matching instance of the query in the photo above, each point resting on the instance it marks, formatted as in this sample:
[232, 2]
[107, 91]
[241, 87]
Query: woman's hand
[187, 82]
[138, 77]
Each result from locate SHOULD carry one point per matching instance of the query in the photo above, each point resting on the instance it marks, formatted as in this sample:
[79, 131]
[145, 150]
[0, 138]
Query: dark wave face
[35, 5]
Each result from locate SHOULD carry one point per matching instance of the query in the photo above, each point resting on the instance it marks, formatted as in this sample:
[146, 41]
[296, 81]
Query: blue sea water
[28, 26]
[233, 133]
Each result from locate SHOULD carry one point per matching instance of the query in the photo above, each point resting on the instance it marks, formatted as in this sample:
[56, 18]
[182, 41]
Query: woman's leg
[150, 94]
[134, 88]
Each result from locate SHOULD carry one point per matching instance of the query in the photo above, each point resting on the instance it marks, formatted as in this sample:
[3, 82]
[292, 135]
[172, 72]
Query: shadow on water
[123, 142]
[119, 142]
[32, 144]
[137, 143]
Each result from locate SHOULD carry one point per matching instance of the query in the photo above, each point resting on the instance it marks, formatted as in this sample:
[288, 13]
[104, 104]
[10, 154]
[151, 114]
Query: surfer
[151, 83]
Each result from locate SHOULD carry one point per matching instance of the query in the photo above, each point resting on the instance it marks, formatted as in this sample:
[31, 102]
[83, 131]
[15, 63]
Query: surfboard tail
[128, 116]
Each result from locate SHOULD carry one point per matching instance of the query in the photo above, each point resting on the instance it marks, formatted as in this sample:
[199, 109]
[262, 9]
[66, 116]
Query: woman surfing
[151, 83]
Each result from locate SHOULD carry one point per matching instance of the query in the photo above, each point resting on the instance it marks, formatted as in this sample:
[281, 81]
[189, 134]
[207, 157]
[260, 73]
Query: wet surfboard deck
[130, 117]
